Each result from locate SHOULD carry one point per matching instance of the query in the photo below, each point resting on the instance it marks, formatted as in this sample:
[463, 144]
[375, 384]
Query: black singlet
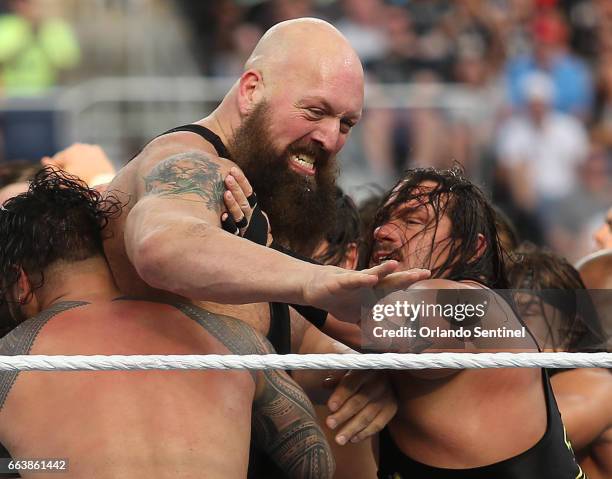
[550, 458]
[279, 333]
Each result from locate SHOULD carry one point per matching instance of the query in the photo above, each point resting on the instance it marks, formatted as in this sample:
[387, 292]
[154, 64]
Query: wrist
[309, 285]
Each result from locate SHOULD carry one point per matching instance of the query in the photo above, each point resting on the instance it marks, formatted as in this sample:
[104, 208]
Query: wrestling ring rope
[308, 361]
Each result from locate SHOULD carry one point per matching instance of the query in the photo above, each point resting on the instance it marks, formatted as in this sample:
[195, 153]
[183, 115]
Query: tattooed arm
[174, 240]
[285, 427]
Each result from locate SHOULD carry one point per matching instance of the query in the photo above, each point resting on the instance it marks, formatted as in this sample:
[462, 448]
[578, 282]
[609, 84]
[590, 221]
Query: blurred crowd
[519, 92]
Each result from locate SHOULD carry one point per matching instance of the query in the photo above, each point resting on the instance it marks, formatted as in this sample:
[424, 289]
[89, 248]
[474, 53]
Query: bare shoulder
[587, 380]
[175, 163]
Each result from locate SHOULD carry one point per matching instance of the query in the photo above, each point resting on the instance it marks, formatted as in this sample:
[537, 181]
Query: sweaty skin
[424, 428]
[161, 424]
[168, 243]
[583, 396]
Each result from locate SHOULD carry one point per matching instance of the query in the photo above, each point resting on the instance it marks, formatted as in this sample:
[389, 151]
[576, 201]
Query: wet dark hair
[58, 218]
[367, 213]
[345, 230]
[470, 214]
[553, 280]
[506, 230]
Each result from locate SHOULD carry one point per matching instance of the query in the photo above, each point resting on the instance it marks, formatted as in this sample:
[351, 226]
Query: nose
[327, 134]
[387, 232]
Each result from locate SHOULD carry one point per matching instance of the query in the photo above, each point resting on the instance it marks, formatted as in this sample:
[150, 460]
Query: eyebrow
[327, 106]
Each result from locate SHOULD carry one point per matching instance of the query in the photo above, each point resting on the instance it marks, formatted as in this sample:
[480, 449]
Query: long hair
[470, 214]
[58, 218]
[346, 229]
[552, 280]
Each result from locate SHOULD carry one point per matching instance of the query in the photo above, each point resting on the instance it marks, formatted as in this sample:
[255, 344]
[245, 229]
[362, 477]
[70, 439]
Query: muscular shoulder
[234, 334]
[173, 164]
[21, 339]
[166, 146]
[592, 381]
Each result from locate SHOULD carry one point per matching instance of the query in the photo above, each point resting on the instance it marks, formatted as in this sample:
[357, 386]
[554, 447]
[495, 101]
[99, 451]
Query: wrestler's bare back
[137, 423]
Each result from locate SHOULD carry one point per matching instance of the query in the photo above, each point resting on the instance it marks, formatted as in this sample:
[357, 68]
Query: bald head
[303, 45]
[596, 270]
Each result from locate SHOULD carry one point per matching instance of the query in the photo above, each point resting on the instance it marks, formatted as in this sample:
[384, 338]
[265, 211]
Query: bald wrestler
[476, 424]
[281, 125]
[550, 290]
[137, 424]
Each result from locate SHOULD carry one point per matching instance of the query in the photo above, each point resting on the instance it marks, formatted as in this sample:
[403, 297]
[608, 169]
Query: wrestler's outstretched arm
[174, 240]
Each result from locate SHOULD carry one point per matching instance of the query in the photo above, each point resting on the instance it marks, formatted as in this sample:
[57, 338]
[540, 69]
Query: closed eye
[316, 112]
[346, 125]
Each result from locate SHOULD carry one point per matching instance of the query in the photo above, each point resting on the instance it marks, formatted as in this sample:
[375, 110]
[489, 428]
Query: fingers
[228, 224]
[383, 269]
[233, 208]
[242, 181]
[403, 279]
[375, 422]
[348, 387]
[368, 409]
[353, 280]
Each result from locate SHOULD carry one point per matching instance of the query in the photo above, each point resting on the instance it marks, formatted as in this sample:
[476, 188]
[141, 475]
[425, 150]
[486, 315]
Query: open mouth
[381, 256]
[302, 164]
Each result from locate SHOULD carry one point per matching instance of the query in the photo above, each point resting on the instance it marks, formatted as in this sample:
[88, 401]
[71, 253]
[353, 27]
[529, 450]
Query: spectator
[363, 27]
[540, 151]
[34, 51]
[550, 54]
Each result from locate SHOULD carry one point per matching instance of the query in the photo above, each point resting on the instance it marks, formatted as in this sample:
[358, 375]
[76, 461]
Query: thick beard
[301, 209]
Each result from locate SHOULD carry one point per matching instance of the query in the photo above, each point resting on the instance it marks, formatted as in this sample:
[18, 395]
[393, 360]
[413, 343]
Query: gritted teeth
[304, 160]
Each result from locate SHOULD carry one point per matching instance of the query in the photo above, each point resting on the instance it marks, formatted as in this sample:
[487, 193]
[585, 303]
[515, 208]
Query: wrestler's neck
[88, 280]
[225, 120]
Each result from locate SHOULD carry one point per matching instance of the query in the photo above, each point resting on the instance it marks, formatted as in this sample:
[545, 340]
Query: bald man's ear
[250, 90]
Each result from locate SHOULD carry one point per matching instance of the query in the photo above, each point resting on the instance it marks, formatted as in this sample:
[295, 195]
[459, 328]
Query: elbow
[152, 258]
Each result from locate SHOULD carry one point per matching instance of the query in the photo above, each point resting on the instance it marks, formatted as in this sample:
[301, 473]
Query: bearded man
[282, 122]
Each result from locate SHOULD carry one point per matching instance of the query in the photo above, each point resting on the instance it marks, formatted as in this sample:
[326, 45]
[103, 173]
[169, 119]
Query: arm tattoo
[187, 173]
[285, 427]
[284, 422]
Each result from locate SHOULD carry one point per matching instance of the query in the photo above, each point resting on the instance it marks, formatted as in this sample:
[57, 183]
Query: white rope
[310, 361]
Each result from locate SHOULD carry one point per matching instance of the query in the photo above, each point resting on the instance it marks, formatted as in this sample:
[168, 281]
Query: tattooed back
[133, 423]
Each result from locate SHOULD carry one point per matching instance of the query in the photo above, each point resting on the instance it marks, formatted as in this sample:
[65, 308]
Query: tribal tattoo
[193, 172]
[284, 421]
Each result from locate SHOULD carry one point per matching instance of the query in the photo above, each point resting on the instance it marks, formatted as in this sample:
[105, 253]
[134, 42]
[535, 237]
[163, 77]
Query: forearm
[200, 261]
